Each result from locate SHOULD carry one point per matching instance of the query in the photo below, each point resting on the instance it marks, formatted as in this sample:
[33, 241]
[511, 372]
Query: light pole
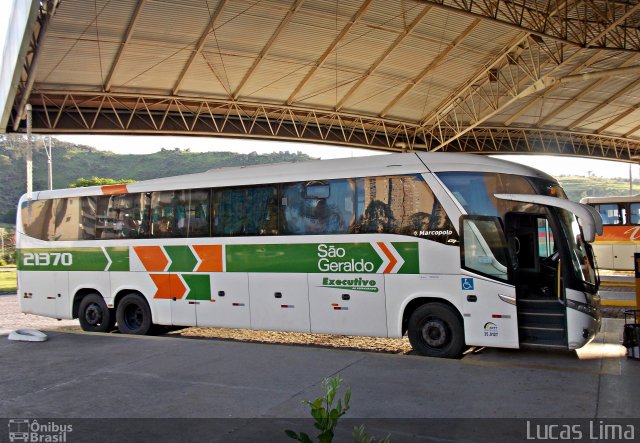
[1, 243]
[48, 150]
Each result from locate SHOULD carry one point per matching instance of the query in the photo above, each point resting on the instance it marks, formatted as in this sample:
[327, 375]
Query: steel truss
[104, 113]
[606, 24]
[508, 140]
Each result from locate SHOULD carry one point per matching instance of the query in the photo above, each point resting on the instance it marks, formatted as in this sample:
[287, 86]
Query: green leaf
[291, 434]
[317, 403]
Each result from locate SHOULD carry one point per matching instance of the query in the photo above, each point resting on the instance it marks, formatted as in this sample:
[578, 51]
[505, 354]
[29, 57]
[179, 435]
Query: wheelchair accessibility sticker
[467, 284]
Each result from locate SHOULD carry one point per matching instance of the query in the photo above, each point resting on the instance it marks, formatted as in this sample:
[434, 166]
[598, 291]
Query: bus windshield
[582, 263]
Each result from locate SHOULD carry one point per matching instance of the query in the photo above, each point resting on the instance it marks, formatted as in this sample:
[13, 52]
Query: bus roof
[611, 199]
[390, 164]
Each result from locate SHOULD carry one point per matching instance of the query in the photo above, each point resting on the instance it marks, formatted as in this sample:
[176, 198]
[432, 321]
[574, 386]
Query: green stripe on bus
[317, 257]
[67, 259]
[409, 252]
[119, 256]
[199, 285]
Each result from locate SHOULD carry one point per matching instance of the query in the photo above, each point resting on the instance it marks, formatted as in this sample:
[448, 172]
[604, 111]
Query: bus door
[488, 294]
[538, 277]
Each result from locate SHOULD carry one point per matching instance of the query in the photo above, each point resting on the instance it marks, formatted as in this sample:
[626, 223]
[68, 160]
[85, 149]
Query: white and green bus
[453, 250]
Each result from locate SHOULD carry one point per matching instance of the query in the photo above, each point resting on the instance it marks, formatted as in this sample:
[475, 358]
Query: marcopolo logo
[355, 284]
[21, 429]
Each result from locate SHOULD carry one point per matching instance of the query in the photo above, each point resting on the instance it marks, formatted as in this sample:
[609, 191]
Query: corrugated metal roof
[251, 56]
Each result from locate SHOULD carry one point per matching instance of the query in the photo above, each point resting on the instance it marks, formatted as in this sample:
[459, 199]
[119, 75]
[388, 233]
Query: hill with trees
[578, 187]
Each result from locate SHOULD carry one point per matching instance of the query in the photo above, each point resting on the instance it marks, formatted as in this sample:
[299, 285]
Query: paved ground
[76, 376]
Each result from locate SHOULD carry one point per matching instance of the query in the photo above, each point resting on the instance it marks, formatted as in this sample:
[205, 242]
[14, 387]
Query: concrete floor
[77, 376]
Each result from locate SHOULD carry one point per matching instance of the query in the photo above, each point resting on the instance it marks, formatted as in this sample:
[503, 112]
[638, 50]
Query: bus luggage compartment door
[350, 304]
[279, 302]
[228, 304]
[45, 293]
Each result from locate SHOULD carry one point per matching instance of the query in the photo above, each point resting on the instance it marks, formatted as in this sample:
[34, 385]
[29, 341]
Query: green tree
[97, 181]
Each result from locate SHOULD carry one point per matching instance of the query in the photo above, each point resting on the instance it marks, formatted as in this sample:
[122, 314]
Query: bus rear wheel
[94, 315]
[133, 315]
[436, 331]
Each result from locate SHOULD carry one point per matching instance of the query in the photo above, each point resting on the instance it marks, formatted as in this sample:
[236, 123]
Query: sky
[553, 165]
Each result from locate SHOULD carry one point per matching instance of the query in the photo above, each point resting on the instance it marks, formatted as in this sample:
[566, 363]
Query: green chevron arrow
[182, 259]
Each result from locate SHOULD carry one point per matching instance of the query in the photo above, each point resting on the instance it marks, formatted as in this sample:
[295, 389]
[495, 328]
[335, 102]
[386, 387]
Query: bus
[620, 238]
[442, 247]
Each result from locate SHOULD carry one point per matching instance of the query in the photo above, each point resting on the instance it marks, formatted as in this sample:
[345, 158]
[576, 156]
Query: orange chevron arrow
[152, 258]
[178, 289]
[211, 256]
[169, 286]
[392, 260]
[162, 283]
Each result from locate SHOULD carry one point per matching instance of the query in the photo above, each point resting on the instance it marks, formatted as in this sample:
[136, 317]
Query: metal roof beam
[124, 44]
[198, 48]
[399, 39]
[618, 30]
[267, 47]
[47, 10]
[517, 114]
[334, 44]
[581, 120]
[582, 93]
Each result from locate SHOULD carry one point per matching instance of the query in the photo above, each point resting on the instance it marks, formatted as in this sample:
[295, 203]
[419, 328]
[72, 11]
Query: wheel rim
[435, 333]
[93, 314]
[133, 316]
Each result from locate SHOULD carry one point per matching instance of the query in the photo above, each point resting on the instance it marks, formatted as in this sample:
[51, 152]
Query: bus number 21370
[47, 259]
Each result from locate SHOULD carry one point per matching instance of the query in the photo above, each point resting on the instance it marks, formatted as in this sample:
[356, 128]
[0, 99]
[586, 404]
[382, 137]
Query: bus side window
[168, 215]
[68, 221]
[38, 219]
[122, 216]
[198, 213]
[244, 211]
[610, 214]
[634, 214]
[318, 207]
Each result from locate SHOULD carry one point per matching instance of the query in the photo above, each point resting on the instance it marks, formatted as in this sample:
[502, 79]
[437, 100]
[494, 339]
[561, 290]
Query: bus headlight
[584, 308]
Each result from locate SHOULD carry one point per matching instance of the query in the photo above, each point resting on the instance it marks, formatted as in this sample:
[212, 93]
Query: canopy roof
[488, 76]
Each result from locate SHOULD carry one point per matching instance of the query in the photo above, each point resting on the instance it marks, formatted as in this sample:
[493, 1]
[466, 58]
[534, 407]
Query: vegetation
[578, 187]
[326, 416]
[71, 161]
[8, 281]
[97, 181]
[7, 246]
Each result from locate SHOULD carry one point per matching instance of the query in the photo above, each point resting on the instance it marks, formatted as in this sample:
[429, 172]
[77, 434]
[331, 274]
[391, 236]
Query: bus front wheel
[133, 315]
[436, 331]
[94, 315]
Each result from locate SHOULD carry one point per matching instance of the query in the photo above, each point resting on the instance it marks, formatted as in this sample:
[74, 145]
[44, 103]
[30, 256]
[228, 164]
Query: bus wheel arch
[133, 313]
[93, 313]
[435, 327]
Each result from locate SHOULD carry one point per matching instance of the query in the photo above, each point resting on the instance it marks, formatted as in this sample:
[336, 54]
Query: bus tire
[94, 315]
[133, 315]
[435, 330]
